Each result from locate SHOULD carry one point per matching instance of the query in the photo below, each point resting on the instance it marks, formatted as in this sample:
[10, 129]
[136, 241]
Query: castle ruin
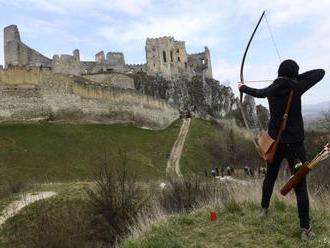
[168, 58]
[165, 57]
[34, 87]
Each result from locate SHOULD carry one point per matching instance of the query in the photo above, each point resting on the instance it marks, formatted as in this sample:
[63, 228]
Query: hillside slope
[66, 152]
[210, 144]
[237, 225]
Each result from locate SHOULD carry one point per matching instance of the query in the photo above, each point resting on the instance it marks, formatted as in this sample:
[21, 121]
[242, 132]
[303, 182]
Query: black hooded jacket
[277, 94]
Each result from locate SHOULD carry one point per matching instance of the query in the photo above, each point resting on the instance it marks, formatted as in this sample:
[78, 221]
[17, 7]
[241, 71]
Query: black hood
[288, 68]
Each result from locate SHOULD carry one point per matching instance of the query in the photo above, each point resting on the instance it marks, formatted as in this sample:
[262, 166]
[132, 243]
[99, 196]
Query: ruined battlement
[16, 53]
[165, 57]
[163, 39]
[168, 57]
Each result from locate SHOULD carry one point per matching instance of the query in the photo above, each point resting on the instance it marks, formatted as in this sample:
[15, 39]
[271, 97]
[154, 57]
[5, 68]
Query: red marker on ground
[213, 215]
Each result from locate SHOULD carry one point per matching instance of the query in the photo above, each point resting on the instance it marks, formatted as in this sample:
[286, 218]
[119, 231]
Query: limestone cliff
[204, 98]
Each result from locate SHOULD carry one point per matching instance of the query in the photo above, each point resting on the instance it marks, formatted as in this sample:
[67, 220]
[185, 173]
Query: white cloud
[187, 28]
[283, 12]
[85, 6]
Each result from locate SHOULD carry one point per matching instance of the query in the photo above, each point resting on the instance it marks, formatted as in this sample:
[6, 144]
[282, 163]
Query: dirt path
[173, 163]
[25, 200]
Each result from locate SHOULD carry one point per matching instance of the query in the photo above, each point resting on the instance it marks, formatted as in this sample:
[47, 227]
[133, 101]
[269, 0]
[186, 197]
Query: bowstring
[278, 55]
[272, 38]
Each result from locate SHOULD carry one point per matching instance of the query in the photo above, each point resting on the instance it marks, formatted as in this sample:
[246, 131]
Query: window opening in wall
[203, 61]
[179, 59]
[171, 53]
[185, 65]
[153, 49]
[154, 65]
[164, 56]
[177, 51]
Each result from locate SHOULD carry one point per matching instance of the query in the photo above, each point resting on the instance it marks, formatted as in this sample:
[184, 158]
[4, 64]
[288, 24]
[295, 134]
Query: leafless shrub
[183, 195]
[115, 204]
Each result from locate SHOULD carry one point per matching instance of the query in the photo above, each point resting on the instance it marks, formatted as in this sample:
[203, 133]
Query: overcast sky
[301, 30]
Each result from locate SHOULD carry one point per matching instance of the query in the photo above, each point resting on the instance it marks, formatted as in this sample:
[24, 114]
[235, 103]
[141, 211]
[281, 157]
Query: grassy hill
[209, 144]
[237, 225]
[67, 152]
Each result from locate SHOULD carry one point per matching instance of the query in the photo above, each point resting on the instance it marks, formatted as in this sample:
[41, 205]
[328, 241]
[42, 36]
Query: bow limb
[242, 77]
[245, 52]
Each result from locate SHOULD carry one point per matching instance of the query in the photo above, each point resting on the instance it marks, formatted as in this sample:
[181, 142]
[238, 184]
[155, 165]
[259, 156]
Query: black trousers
[290, 152]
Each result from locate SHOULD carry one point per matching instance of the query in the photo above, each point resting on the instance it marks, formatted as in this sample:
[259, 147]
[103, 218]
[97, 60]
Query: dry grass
[233, 197]
[54, 226]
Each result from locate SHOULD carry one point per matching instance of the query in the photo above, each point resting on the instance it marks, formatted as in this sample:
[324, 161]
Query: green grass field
[67, 152]
[41, 153]
[72, 152]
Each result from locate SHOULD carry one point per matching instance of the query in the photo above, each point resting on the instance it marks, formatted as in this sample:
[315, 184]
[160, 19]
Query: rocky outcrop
[204, 98]
[263, 116]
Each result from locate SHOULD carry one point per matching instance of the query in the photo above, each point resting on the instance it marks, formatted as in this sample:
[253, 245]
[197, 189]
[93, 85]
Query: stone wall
[60, 97]
[20, 77]
[133, 68]
[112, 79]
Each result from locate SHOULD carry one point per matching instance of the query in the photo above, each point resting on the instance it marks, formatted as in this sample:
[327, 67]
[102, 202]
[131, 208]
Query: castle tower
[99, 57]
[18, 54]
[166, 57]
[11, 33]
[115, 59]
[11, 38]
[76, 55]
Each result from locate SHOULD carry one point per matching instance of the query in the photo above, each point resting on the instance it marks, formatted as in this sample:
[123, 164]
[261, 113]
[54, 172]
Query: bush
[115, 204]
[183, 195]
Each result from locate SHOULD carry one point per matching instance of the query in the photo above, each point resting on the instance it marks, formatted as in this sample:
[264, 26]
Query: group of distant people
[229, 171]
[215, 172]
[185, 114]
